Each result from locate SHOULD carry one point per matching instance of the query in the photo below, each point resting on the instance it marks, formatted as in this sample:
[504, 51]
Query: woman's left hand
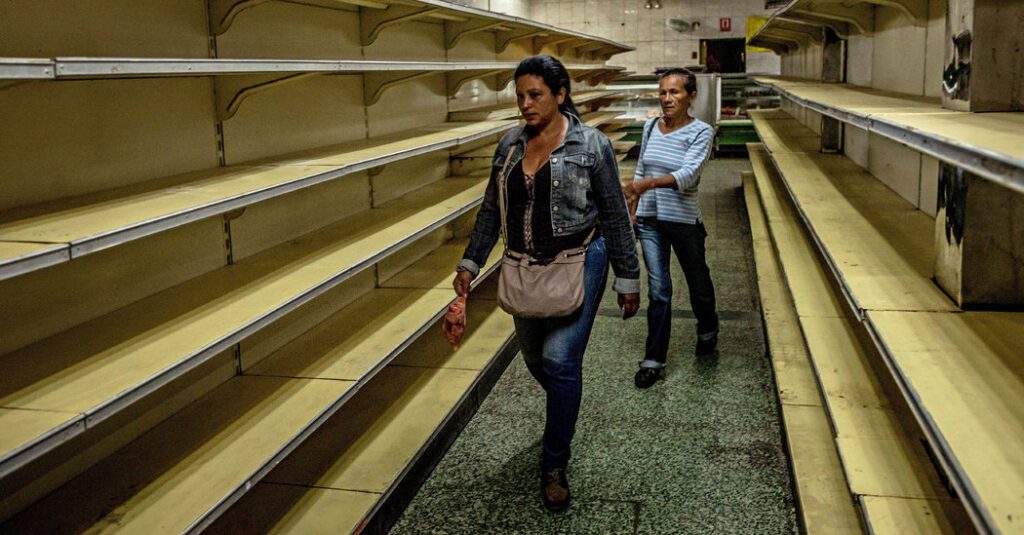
[633, 189]
[630, 304]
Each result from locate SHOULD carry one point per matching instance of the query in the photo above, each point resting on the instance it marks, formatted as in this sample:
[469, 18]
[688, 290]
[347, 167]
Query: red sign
[725, 24]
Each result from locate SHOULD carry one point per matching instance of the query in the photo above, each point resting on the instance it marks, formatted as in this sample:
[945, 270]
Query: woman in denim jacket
[562, 182]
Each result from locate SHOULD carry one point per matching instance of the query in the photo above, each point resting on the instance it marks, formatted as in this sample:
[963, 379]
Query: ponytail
[567, 106]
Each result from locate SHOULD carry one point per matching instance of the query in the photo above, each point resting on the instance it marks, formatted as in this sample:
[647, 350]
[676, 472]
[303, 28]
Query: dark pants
[658, 239]
[553, 350]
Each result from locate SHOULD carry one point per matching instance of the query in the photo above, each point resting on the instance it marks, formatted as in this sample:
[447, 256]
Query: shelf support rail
[372, 23]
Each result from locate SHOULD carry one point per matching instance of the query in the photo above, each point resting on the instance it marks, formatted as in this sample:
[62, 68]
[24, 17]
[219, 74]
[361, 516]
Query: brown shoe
[554, 488]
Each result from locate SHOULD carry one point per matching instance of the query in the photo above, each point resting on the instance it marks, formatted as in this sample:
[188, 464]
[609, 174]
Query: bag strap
[501, 194]
[648, 128]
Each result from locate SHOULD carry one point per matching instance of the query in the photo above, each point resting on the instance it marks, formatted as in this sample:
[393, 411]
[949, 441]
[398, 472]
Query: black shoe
[646, 377]
[706, 348]
[554, 489]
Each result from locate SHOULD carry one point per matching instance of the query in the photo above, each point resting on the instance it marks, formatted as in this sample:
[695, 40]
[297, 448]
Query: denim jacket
[585, 192]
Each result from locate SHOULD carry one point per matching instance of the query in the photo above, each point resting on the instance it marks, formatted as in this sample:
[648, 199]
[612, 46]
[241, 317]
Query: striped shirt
[682, 154]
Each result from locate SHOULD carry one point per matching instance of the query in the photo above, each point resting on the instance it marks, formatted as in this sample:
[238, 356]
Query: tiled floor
[700, 452]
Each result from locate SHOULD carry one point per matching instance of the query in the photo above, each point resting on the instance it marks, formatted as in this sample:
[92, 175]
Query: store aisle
[700, 452]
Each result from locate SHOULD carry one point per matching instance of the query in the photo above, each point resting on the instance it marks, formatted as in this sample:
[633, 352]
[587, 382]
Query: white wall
[657, 45]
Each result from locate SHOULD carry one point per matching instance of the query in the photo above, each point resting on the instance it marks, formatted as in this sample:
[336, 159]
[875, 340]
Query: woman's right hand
[461, 283]
[630, 304]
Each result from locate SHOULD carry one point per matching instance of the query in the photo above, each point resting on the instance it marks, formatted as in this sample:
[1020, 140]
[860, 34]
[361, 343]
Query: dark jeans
[658, 239]
[553, 350]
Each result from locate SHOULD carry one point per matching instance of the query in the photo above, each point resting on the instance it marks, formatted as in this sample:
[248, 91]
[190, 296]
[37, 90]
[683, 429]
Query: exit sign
[725, 24]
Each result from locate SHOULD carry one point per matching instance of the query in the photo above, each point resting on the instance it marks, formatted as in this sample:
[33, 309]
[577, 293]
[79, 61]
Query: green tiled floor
[700, 452]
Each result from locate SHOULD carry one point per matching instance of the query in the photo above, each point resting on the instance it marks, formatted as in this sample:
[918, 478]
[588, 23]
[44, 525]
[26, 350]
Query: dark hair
[554, 75]
[689, 79]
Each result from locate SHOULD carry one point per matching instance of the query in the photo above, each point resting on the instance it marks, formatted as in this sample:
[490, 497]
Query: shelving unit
[896, 187]
[989, 144]
[739, 94]
[227, 236]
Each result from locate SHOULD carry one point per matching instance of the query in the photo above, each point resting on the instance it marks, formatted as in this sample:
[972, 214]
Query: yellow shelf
[598, 118]
[96, 369]
[877, 457]
[181, 473]
[400, 411]
[511, 111]
[228, 435]
[97, 222]
[988, 144]
[824, 497]
[881, 249]
[17, 258]
[902, 515]
[967, 371]
[880, 245]
[622, 147]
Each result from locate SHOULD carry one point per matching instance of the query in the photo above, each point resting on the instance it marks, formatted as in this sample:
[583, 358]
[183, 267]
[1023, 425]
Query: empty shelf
[67, 230]
[97, 369]
[877, 458]
[987, 144]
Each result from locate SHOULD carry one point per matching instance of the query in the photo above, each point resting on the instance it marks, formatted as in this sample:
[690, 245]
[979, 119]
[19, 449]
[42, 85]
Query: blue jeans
[553, 351]
[658, 239]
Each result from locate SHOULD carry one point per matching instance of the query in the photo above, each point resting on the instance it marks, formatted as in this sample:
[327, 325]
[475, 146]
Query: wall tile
[627, 22]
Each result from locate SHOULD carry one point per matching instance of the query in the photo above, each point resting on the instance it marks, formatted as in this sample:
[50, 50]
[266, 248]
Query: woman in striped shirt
[663, 199]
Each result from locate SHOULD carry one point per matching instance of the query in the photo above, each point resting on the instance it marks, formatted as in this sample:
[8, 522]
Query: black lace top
[529, 216]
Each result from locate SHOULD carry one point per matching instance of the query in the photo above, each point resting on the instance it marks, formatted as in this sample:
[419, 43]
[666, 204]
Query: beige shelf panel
[877, 458]
[623, 146]
[825, 502]
[402, 306]
[507, 111]
[95, 223]
[824, 497]
[341, 509]
[967, 370]
[613, 125]
[784, 134]
[253, 418]
[890, 468]
[616, 136]
[17, 258]
[988, 144]
[801, 23]
[145, 345]
[923, 337]
[902, 515]
[880, 245]
[238, 79]
[20, 425]
[861, 102]
[460, 20]
[812, 296]
[349, 345]
[228, 434]
[598, 118]
[436, 270]
[402, 409]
